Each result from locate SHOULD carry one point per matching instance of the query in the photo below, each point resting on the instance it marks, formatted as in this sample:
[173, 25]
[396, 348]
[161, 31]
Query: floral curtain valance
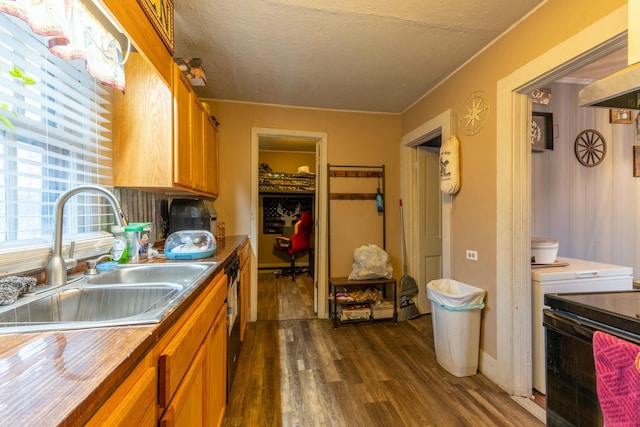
[72, 32]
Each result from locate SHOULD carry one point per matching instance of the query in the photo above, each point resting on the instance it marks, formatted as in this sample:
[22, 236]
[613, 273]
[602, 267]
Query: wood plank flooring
[299, 371]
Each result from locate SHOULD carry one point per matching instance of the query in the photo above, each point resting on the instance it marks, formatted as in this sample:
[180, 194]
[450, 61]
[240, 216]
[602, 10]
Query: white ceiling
[362, 55]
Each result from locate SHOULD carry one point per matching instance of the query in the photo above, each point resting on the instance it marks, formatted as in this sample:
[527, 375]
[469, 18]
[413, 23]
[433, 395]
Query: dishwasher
[233, 318]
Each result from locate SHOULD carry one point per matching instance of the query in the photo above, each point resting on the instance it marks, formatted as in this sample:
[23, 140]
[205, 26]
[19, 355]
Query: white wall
[593, 211]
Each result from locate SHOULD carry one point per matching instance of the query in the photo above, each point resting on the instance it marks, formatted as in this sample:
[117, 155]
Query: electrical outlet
[472, 255]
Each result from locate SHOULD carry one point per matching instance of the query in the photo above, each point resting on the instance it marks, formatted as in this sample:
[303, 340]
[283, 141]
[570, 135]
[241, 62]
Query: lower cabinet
[134, 401]
[245, 287]
[182, 381]
[192, 363]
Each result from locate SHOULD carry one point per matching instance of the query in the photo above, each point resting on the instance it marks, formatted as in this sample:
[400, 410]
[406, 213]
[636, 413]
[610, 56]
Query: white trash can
[455, 312]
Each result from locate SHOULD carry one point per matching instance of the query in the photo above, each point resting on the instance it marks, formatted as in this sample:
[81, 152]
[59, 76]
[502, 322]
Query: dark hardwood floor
[296, 370]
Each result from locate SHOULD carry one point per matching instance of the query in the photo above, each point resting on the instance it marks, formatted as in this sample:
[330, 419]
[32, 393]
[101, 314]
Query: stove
[618, 310]
[571, 321]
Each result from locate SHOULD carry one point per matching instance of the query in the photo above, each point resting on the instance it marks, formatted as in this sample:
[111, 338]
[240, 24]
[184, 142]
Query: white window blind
[61, 138]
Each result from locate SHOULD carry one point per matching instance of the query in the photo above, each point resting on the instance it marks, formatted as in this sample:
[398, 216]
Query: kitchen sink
[128, 295]
[183, 273]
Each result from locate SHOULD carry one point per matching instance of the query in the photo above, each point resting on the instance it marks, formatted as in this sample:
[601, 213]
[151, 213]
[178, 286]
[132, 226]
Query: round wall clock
[590, 147]
[476, 112]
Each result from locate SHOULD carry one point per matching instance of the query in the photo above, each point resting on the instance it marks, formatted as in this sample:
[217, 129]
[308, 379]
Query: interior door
[429, 222]
[316, 229]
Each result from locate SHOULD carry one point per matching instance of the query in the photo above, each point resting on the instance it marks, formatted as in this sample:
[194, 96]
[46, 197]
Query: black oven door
[572, 399]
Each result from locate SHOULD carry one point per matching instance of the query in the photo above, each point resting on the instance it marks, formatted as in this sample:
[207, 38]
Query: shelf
[286, 182]
[338, 283]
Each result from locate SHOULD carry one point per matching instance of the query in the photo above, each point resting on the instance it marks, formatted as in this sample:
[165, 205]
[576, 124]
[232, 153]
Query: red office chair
[298, 243]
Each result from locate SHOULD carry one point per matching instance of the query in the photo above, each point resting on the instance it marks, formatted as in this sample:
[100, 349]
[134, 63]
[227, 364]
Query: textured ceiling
[363, 55]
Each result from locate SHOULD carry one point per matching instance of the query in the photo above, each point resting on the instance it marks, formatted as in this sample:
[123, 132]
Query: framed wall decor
[636, 160]
[541, 131]
[160, 13]
[620, 116]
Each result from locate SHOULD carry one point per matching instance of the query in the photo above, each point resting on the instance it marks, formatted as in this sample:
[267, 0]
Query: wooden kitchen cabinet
[191, 358]
[133, 402]
[245, 286]
[210, 155]
[216, 371]
[162, 139]
[183, 95]
[187, 408]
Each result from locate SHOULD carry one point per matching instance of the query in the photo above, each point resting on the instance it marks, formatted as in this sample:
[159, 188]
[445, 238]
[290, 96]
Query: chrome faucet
[56, 271]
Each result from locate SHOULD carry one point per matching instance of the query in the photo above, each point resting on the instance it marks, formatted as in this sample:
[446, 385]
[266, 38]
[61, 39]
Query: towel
[617, 379]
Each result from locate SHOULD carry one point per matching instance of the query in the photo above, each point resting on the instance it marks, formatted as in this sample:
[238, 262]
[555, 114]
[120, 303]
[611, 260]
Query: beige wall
[474, 213]
[352, 139]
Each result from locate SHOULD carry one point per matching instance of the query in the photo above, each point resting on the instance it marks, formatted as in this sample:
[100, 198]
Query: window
[61, 138]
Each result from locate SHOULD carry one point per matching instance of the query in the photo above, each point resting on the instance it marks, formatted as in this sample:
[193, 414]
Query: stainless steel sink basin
[128, 295]
[182, 273]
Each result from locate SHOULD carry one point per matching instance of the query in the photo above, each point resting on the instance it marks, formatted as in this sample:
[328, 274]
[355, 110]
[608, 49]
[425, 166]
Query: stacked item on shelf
[286, 182]
[354, 312]
[382, 310]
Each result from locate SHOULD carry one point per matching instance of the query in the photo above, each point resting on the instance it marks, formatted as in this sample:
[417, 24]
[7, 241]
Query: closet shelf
[352, 196]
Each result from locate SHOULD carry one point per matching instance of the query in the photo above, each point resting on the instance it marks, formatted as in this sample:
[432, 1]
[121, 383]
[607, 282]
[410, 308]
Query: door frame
[409, 143]
[512, 370]
[320, 253]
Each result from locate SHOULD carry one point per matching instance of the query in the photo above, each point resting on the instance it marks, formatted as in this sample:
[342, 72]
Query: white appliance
[578, 276]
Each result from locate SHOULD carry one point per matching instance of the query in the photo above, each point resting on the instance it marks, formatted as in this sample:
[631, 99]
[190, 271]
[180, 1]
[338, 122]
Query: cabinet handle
[164, 369]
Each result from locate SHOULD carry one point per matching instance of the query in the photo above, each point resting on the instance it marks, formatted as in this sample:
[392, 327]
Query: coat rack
[356, 171]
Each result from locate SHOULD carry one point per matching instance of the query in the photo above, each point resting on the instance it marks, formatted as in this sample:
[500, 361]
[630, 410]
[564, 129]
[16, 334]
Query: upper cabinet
[164, 140]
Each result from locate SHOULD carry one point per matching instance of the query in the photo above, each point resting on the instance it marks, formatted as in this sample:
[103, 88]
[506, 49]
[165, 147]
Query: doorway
[279, 138]
[512, 369]
[420, 191]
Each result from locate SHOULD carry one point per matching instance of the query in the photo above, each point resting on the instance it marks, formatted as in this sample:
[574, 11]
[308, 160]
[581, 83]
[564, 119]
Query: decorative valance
[72, 32]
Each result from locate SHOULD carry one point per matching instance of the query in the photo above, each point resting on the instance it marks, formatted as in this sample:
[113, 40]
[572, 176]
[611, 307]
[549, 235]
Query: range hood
[619, 90]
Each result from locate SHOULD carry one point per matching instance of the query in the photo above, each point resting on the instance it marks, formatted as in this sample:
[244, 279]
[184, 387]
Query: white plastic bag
[455, 296]
[370, 262]
[449, 166]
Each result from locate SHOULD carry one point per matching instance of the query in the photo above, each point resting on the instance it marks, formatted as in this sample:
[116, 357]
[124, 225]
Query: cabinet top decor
[160, 13]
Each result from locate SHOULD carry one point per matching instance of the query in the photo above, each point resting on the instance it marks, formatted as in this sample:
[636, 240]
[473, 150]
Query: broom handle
[404, 260]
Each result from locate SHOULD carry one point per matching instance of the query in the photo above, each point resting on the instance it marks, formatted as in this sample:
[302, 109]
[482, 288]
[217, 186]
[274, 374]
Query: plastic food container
[139, 234]
[543, 250]
[190, 244]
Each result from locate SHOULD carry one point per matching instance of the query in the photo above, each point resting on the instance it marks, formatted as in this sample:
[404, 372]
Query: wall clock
[476, 111]
[590, 147]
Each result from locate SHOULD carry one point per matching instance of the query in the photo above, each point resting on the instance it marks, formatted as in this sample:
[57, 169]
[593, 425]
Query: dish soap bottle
[120, 251]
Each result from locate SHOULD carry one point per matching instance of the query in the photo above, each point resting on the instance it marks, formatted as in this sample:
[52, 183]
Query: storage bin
[354, 313]
[383, 310]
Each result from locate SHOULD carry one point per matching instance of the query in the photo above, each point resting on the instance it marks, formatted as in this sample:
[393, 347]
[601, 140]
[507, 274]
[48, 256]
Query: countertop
[63, 377]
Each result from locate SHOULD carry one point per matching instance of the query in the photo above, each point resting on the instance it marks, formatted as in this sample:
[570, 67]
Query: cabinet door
[216, 374]
[210, 166]
[197, 144]
[175, 356]
[133, 402]
[183, 96]
[187, 408]
[142, 128]
[245, 287]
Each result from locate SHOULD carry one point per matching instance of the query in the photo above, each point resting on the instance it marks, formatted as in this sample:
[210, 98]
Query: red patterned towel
[618, 380]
